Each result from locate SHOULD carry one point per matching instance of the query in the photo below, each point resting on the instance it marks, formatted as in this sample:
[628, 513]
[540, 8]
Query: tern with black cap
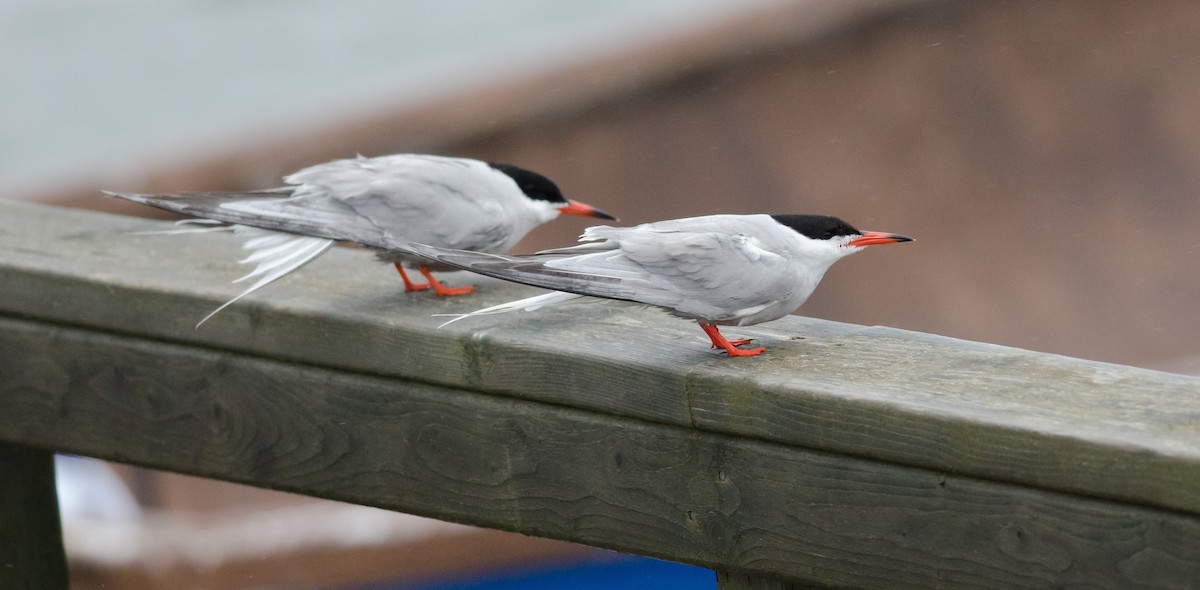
[720, 270]
[455, 203]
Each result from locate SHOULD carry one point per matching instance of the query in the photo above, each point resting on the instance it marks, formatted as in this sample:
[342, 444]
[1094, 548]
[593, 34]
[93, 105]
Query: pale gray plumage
[719, 270]
[450, 202]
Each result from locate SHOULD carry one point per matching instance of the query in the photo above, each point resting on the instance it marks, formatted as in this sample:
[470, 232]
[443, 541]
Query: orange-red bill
[584, 210]
[871, 238]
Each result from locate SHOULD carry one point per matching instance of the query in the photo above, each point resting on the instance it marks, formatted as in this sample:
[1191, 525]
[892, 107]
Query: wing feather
[452, 202]
[706, 269]
[276, 255]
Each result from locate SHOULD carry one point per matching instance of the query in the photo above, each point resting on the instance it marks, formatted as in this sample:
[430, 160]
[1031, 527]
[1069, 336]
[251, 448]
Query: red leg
[731, 348]
[409, 286]
[717, 342]
[442, 290]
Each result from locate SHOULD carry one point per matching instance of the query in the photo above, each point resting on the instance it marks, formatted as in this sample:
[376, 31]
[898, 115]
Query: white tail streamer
[277, 254]
[528, 304]
[213, 225]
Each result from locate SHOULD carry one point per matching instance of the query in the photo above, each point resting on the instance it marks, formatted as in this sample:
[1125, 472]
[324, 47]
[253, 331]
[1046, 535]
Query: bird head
[828, 239]
[543, 190]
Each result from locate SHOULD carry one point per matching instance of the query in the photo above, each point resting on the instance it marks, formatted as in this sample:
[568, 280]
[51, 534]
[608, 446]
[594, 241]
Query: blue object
[625, 572]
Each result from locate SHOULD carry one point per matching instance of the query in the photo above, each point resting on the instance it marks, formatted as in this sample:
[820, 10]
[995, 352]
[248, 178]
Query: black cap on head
[534, 185]
[817, 227]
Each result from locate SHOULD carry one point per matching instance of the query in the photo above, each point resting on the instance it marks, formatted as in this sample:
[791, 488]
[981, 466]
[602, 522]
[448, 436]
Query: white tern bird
[720, 270]
[448, 202]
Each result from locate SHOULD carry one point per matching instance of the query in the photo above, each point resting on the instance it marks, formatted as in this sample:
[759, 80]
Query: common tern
[720, 270]
[448, 202]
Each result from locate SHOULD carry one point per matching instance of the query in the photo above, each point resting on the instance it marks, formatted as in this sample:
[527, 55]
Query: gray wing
[681, 265]
[275, 254]
[208, 205]
[273, 209]
[528, 270]
[449, 202]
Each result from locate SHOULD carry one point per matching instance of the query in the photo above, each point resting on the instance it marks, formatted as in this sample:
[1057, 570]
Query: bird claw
[442, 291]
[438, 288]
[738, 342]
[731, 351]
[730, 346]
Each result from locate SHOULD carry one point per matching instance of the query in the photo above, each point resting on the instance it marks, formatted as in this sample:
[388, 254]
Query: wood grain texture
[727, 580]
[31, 549]
[953, 406]
[705, 498]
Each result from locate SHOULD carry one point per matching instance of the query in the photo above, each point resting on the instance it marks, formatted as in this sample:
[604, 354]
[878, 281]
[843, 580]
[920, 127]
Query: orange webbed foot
[444, 291]
[730, 346]
[733, 351]
[441, 290]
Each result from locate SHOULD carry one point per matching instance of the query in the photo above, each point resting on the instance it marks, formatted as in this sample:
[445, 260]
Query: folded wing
[711, 275]
[411, 197]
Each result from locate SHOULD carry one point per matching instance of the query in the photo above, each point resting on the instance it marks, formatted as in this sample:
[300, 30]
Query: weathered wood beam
[960, 407]
[31, 549]
[709, 499]
[727, 580]
[845, 456]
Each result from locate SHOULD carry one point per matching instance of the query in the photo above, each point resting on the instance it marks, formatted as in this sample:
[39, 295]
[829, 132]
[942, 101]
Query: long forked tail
[268, 209]
[189, 226]
[275, 254]
[528, 304]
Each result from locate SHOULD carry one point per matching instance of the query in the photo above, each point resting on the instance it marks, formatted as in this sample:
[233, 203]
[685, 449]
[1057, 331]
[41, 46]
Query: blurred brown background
[1045, 154]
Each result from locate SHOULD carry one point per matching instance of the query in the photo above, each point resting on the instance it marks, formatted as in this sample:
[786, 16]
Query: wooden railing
[846, 456]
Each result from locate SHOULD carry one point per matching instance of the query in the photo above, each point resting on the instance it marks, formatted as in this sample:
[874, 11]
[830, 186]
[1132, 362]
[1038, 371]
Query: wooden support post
[31, 548]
